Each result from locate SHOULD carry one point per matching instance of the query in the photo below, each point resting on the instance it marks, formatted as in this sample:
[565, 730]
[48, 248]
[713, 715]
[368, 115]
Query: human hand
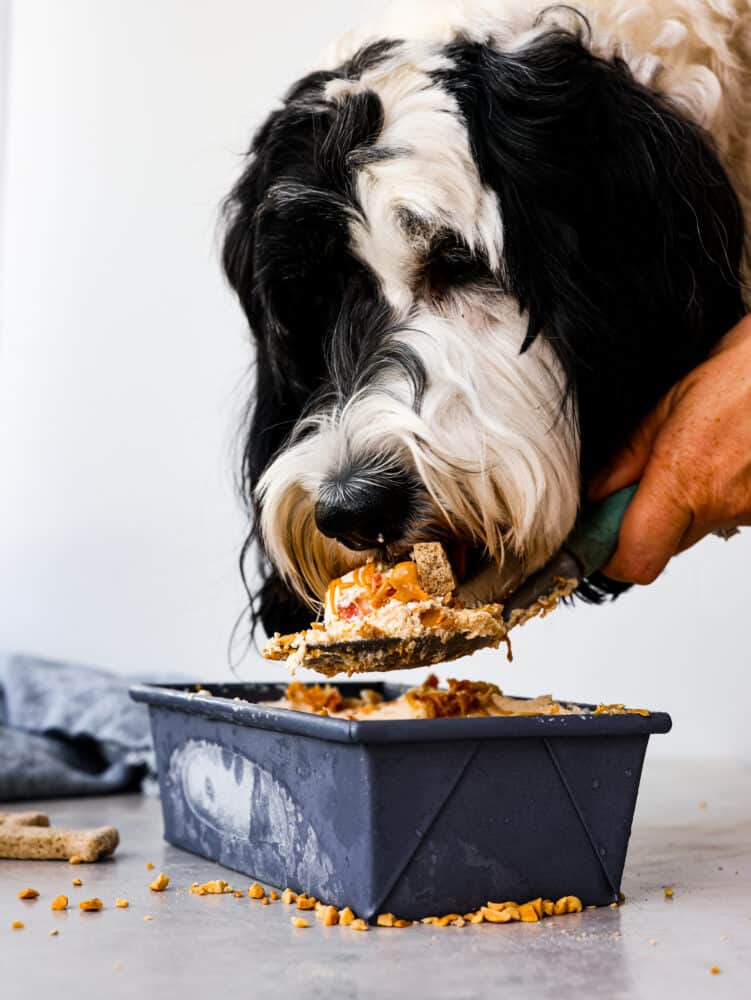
[692, 458]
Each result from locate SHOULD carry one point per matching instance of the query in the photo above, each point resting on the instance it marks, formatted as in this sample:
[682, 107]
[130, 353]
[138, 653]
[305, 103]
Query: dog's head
[469, 269]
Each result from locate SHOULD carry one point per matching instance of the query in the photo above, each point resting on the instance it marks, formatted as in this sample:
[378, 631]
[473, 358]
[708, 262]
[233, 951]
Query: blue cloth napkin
[69, 729]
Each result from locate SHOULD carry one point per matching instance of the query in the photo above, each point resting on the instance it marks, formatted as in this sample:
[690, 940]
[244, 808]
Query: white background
[123, 362]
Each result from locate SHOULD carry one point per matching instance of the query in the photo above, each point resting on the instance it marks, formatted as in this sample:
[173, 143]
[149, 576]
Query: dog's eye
[451, 263]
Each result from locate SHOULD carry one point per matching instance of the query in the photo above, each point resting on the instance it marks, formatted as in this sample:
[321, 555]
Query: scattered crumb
[702, 805]
[346, 916]
[299, 922]
[28, 894]
[715, 970]
[118, 966]
[148, 918]
[614, 906]
[265, 901]
[359, 925]
[160, 883]
[59, 903]
[76, 881]
[149, 867]
[122, 904]
[54, 933]
[274, 895]
[652, 941]
[288, 896]
[328, 915]
[668, 892]
[17, 925]
[213, 888]
[256, 891]
[75, 860]
[91, 905]
[306, 902]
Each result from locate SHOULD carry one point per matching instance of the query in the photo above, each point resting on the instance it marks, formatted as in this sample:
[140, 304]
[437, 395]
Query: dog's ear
[276, 400]
[623, 235]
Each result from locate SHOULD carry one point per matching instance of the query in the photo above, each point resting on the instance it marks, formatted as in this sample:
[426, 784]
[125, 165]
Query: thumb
[629, 462]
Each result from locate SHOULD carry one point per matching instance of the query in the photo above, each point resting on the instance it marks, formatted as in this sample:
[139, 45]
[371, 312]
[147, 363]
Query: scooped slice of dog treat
[433, 568]
[424, 635]
[383, 617]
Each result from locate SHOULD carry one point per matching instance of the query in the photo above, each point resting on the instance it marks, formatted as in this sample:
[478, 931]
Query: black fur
[623, 234]
[623, 241]
[316, 313]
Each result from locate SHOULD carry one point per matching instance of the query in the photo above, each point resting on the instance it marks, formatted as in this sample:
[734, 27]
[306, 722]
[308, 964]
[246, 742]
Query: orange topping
[374, 586]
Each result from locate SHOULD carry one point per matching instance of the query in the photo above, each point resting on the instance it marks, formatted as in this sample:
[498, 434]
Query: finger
[653, 529]
[628, 463]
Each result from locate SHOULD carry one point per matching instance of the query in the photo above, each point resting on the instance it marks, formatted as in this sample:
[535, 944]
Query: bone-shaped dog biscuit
[28, 836]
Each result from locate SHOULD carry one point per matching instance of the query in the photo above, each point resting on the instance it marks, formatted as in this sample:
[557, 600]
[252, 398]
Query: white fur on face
[432, 178]
[495, 453]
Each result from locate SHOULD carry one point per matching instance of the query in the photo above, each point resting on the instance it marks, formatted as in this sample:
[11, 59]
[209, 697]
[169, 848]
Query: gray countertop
[692, 832]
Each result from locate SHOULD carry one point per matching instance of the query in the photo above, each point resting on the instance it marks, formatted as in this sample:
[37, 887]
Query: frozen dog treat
[381, 617]
[461, 699]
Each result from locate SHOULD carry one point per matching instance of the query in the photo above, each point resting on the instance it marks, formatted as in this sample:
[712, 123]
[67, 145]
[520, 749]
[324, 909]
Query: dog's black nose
[365, 514]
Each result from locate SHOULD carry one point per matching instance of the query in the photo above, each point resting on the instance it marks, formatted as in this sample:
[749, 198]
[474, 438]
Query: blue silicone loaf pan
[417, 817]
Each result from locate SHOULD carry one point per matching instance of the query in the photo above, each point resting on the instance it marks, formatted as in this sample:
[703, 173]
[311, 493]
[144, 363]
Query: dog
[475, 245]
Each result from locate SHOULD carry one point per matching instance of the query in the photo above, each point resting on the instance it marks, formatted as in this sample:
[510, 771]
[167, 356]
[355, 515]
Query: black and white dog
[474, 246]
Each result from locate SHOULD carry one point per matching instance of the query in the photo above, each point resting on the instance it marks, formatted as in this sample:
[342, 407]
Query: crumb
[265, 901]
[385, 920]
[91, 905]
[652, 941]
[299, 922]
[28, 894]
[76, 881]
[149, 866]
[122, 904]
[160, 883]
[17, 925]
[274, 895]
[257, 891]
[54, 933]
[668, 890]
[148, 918]
[75, 860]
[328, 915]
[715, 970]
[359, 925]
[288, 896]
[214, 888]
[306, 902]
[59, 903]
[346, 916]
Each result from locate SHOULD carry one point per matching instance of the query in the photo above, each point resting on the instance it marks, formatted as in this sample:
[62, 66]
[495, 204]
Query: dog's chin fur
[475, 245]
